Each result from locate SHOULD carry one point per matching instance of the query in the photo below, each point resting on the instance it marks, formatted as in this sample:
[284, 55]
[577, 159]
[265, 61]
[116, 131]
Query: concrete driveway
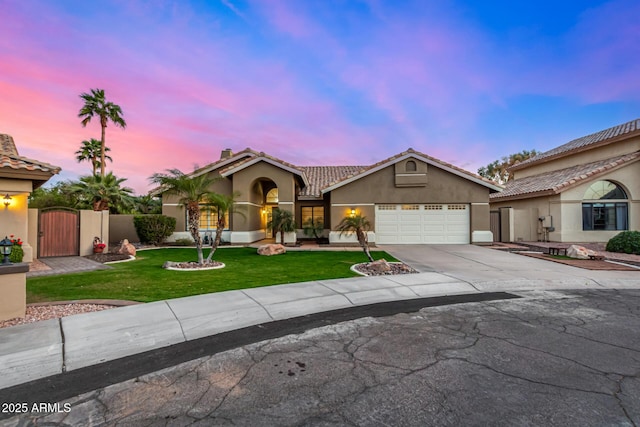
[493, 270]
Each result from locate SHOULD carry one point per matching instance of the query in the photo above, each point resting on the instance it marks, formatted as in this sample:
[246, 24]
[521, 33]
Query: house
[408, 198]
[587, 190]
[19, 176]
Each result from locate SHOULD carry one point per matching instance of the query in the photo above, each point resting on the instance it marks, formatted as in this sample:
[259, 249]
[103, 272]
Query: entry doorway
[270, 209]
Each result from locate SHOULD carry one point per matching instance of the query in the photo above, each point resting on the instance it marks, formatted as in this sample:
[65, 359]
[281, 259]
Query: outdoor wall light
[6, 246]
[353, 212]
[7, 200]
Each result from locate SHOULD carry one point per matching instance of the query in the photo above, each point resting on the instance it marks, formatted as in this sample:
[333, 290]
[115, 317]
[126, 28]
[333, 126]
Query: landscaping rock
[271, 249]
[580, 252]
[380, 266]
[125, 248]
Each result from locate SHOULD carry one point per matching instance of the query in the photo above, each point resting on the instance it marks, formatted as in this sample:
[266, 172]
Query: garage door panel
[425, 223]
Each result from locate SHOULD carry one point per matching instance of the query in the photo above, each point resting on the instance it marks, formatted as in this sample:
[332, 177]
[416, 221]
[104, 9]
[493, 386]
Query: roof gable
[12, 165]
[560, 180]
[410, 153]
[603, 137]
[262, 157]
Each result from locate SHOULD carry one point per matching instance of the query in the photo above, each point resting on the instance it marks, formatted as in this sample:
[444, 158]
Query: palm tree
[221, 205]
[360, 225]
[148, 204]
[103, 192]
[90, 151]
[282, 222]
[191, 190]
[95, 104]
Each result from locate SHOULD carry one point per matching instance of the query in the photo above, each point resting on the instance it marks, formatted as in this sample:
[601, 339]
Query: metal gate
[495, 225]
[58, 232]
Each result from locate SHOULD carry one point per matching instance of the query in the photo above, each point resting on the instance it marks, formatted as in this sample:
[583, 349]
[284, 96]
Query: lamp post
[6, 246]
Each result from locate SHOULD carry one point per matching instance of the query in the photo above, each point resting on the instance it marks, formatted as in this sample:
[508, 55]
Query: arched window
[410, 166]
[272, 196]
[605, 207]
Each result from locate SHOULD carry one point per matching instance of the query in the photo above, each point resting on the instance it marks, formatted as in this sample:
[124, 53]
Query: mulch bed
[588, 264]
[107, 257]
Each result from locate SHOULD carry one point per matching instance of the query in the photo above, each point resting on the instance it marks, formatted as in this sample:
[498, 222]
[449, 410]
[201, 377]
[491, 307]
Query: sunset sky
[323, 82]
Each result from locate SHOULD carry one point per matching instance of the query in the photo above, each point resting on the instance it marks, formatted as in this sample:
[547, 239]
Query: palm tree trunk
[102, 145]
[216, 241]
[362, 239]
[194, 228]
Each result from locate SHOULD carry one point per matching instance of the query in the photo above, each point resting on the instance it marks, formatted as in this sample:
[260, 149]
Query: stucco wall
[121, 227]
[592, 155]
[14, 218]
[379, 187]
[13, 290]
[93, 224]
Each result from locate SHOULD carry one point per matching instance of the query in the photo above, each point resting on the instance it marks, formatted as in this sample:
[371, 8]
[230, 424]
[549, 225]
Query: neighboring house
[19, 176]
[408, 198]
[587, 190]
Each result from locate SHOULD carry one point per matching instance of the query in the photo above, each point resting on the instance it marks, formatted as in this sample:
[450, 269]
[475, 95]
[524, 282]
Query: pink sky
[313, 82]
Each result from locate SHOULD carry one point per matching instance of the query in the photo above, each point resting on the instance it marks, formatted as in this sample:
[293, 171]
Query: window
[209, 218]
[410, 166]
[272, 196]
[313, 213]
[600, 215]
[386, 207]
[410, 207]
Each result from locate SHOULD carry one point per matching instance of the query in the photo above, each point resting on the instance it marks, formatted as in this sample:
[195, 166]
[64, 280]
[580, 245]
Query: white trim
[418, 157]
[286, 203]
[411, 174]
[352, 204]
[249, 204]
[271, 162]
[247, 236]
[172, 204]
[477, 204]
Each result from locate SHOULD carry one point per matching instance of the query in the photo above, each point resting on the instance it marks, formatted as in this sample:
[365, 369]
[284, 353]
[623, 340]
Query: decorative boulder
[125, 248]
[380, 266]
[271, 249]
[580, 252]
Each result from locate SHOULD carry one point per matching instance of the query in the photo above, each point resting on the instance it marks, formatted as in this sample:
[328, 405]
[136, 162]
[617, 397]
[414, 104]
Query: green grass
[145, 280]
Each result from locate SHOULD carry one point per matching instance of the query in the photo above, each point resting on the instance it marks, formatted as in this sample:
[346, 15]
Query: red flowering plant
[98, 245]
[16, 252]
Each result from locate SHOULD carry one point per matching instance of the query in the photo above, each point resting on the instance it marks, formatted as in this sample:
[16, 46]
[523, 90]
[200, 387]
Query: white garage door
[428, 223]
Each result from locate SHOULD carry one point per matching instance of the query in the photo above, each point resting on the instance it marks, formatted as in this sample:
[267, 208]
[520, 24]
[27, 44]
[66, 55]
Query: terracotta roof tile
[632, 127]
[9, 158]
[559, 180]
[322, 176]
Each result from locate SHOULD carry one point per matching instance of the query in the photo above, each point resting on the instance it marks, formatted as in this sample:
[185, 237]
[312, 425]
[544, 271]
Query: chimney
[226, 153]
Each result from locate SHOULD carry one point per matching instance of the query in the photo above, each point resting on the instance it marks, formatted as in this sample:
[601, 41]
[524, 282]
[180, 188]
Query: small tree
[222, 205]
[360, 225]
[191, 191]
[282, 221]
[313, 229]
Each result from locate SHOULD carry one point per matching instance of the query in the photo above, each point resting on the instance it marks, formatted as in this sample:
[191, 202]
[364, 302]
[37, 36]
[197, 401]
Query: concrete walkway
[67, 264]
[37, 350]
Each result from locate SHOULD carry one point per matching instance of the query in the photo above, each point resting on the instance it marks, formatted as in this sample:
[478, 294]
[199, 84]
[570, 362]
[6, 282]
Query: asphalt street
[561, 357]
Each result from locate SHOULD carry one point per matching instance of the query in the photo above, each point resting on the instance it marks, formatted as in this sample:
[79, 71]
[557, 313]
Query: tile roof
[559, 180]
[322, 176]
[9, 158]
[628, 129]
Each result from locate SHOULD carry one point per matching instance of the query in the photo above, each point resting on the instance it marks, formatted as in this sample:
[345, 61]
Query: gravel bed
[107, 257]
[37, 313]
[396, 268]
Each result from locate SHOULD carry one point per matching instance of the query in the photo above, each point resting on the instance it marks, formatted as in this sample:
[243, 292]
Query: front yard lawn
[145, 280]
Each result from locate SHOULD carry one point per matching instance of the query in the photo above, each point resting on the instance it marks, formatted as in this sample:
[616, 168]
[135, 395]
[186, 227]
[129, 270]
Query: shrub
[16, 254]
[154, 229]
[627, 242]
